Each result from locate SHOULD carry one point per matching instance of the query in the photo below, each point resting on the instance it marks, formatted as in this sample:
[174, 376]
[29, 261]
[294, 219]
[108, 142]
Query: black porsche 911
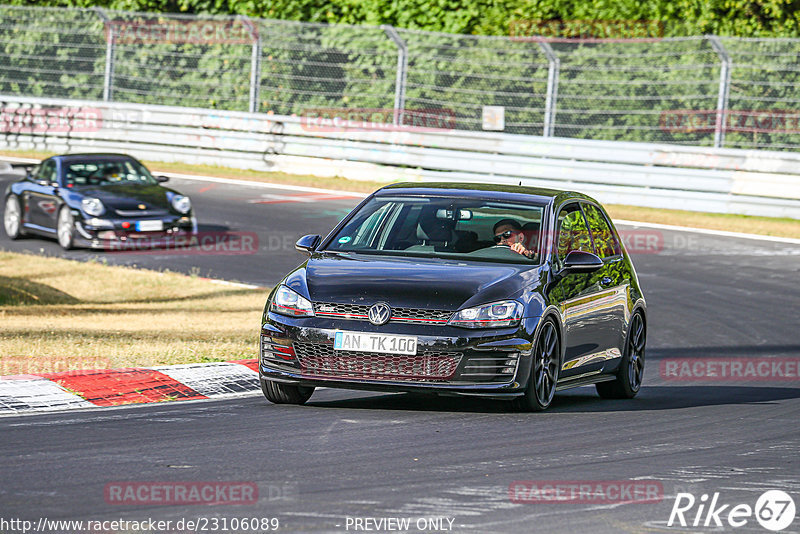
[459, 289]
[95, 200]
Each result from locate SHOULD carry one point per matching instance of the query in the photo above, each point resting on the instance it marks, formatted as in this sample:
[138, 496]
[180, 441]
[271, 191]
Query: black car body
[417, 264]
[105, 201]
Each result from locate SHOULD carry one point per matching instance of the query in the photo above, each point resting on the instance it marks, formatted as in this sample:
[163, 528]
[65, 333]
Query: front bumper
[121, 235]
[488, 363]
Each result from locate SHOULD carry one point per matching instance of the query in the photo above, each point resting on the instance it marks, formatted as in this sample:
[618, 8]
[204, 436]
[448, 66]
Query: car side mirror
[307, 243]
[162, 179]
[578, 261]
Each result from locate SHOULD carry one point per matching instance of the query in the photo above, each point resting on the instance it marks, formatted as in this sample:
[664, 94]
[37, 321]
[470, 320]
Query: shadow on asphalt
[580, 400]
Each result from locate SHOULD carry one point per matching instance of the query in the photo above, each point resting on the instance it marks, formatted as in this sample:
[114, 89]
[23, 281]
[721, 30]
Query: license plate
[381, 343]
[149, 226]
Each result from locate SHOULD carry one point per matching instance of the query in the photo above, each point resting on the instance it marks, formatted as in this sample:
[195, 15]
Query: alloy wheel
[11, 218]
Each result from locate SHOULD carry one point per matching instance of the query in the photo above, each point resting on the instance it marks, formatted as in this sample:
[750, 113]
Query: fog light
[106, 234]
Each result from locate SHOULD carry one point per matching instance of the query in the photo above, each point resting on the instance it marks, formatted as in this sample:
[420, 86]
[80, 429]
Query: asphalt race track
[349, 455]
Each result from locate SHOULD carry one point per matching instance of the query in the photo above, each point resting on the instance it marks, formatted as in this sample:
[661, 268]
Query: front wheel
[278, 393]
[66, 229]
[12, 218]
[631, 368]
[544, 371]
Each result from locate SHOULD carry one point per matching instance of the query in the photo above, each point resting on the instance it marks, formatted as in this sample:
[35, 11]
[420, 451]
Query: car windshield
[108, 172]
[443, 227]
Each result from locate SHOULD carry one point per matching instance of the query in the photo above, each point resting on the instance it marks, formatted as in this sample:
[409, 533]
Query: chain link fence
[707, 91]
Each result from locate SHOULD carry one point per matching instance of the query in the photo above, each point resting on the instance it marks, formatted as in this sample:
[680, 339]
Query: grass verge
[713, 221]
[61, 315]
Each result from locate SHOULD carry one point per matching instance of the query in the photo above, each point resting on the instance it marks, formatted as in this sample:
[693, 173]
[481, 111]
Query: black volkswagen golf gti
[459, 289]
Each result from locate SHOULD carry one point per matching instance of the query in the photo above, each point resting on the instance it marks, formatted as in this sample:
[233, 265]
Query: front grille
[321, 360]
[400, 315]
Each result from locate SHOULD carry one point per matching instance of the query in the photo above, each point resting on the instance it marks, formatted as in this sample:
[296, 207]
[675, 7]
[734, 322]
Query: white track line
[707, 231]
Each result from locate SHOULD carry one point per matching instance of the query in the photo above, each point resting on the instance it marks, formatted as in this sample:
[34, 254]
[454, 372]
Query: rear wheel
[12, 218]
[66, 229]
[544, 370]
[278, 393]
[631, 368]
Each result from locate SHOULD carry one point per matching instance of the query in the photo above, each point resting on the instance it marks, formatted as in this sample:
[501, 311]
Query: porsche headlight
[288, 302]
[92, 207]
[181, 204]
[494, 315]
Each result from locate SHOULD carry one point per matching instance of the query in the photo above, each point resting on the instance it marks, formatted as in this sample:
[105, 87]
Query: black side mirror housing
[578, 261]
[162, 179]
[308, 243]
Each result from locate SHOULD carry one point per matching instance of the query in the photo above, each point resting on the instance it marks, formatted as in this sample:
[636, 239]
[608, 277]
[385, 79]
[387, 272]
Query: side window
[572, 233]
[46, 172]
[605, 242]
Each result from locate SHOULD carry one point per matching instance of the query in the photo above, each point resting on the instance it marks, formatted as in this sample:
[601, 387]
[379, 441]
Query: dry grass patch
[61, 315]
[712, 221]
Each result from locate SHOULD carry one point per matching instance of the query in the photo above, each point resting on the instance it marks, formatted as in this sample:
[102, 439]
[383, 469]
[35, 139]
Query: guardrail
[749, 182]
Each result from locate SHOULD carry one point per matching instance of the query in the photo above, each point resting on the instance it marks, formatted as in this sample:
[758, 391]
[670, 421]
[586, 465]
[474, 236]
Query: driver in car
[508, 233]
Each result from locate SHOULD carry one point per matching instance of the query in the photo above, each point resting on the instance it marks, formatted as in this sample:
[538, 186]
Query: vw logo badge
[379, 313]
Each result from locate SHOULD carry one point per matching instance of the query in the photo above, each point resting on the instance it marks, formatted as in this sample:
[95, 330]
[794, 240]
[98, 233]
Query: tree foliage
[743, 18]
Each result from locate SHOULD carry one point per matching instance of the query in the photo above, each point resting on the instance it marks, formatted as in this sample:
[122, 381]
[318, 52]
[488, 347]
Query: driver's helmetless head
[507, 232]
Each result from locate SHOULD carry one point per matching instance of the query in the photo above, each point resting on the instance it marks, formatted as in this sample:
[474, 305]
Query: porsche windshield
[108, 172]
[458, 228]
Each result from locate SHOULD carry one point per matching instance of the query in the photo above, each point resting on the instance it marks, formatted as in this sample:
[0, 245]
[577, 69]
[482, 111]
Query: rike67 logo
[774, 510]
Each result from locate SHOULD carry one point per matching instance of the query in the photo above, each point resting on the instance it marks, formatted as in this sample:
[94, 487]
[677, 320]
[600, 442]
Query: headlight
[288, 302]
[181, 204]
[494, 315]
[92, 207]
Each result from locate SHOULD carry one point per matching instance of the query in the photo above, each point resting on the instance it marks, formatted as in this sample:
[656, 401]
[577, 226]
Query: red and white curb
[68, 390]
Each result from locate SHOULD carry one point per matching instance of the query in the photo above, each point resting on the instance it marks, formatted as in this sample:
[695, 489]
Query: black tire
[65, 229]
[278, 393]
[545, 369]
[12, 218]
[631, 369]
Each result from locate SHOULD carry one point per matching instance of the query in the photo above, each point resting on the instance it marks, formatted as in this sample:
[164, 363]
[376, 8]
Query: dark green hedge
[744, 18]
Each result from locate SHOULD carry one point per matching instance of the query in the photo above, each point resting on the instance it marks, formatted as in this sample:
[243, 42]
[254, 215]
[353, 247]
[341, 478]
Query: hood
[129, 196]
[408, 282]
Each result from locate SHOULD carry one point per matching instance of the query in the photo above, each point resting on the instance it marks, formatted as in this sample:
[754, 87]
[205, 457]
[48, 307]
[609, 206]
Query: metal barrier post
[255, 65]
[108, 78]
[552, 88]
[724, 89]
[402, 69]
